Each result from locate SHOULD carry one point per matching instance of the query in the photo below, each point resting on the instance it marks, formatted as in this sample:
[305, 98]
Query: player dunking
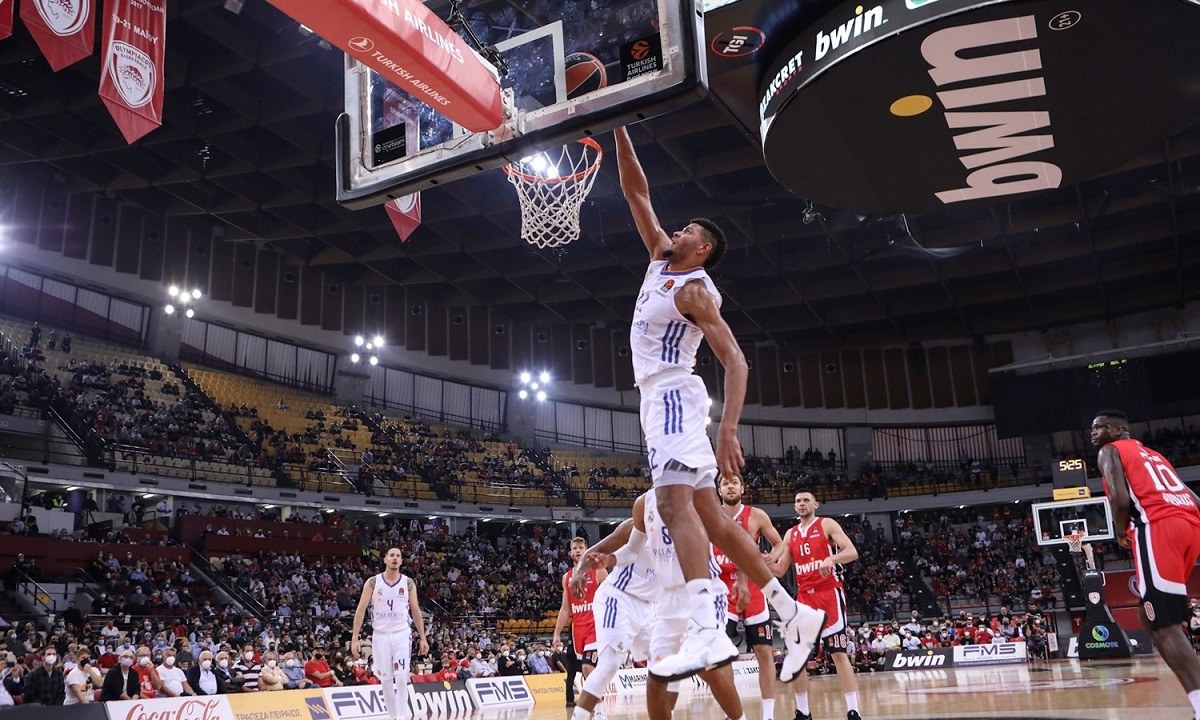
[577, 608]
[677, 307]
[816, 547]
[746, 601]
[1158, 518]
[393, 600]
[644, 609]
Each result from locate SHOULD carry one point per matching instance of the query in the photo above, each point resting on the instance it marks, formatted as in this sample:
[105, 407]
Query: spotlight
[524, 394]
[526, 377]
[541, 396]
[370, 346]
[190, 313]
[355, 357]
[544, 377]
[358, 340]
[196, 293]
[170, 309]
[374, 360]
[533, 386]
[172, 291]
[378, 340]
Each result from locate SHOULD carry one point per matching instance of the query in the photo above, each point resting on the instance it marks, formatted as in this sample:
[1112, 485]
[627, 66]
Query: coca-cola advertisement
[182, 708]
[65, 30]
[131, 82]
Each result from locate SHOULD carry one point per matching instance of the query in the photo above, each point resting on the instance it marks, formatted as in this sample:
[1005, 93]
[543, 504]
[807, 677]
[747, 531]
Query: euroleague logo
[64, 17]
[739, 42]
[132, 73]
[640, 50]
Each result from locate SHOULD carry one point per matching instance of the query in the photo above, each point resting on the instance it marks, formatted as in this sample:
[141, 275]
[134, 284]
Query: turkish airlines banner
[414, 49]
[131, 82]
[405, 214]
[6, 18]
[64, 29]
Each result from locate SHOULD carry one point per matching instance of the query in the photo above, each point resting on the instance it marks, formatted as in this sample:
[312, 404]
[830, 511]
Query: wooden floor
[1142, 689]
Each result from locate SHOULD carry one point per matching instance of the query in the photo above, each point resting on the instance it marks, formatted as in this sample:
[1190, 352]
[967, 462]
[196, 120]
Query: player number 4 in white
[1165, 480]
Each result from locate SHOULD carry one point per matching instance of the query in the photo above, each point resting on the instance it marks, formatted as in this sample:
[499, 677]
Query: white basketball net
[552, 191]
[1075, 542]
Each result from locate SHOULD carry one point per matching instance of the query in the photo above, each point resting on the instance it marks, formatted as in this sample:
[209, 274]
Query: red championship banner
[131, 81]
[405, 214]
[6, 18]
[413, 48]
[64, 29]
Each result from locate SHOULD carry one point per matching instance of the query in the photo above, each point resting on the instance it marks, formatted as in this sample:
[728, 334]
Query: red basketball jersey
[1155, 490]
[809, 547]
[583, 623]
[728, 569]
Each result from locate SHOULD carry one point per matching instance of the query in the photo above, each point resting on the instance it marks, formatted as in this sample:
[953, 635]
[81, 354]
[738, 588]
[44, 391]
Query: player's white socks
[802, 702]
[851, 702]
[1194, 698]
[702, 603]
[580, 714]
[780, 600]
[768, 708]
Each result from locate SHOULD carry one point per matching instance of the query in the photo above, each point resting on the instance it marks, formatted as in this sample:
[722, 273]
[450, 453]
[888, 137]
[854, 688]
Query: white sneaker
[800, 634]
[702, 649]
[598, 713]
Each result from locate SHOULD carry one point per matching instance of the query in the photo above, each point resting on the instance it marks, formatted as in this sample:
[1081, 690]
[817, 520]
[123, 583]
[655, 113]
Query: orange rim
[511, 168]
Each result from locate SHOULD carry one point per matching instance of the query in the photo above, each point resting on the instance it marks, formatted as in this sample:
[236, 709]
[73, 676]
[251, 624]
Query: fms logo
[863, 21]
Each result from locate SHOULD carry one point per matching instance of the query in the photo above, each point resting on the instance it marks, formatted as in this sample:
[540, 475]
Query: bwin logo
[863, 21]
[921, 661]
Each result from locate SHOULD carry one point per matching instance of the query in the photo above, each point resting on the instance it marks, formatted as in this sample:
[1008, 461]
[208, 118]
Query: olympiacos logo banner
[131, 83]
[64, 29]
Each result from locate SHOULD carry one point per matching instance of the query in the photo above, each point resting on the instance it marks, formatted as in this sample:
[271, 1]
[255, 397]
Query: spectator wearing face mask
[248, 668]
[318, 671]
[538, 664]
[45, 685]
[148, 680]
[480, 667]
[271, 677]
[205, 678]
[121, 681]
[293, 670]
[78, 682]
[174, 680]
[12, 679]
[224, 668]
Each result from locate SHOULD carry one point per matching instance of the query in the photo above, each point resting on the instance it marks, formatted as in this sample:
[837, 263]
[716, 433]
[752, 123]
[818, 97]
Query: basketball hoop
[1075, 542]
[552, 191]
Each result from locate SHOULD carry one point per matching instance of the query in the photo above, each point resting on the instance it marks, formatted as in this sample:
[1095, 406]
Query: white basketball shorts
[673, 413]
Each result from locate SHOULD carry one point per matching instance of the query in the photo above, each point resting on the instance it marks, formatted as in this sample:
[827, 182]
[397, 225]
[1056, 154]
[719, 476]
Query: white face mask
[206, 664]
[249, 656]
[169, 660]
[289, 663]
[144, 661]
[271, 663]
[50, 659]
[223, 663]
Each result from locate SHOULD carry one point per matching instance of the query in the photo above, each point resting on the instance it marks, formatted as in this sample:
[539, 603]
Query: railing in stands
[203, 566]
[138, 459]
[35, 593]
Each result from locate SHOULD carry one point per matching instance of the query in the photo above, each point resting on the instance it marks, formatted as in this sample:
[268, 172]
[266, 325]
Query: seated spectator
[12, 680]
[248, 668]
[79, 682]
[121, 681]
[272, 676]
[294, 671]
[174, 679]
[204, 678]
[318, 672]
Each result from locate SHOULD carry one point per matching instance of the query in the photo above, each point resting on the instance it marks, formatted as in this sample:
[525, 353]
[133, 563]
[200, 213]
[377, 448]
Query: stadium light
[173, 291]
[378, 340]
[196, 293]
[370, 346]
[374, 360]
[544, 377]
[524, 394]
[355, 357]
[533, 386]
[526, 377]
[169, 309]
[358, 340]
[541, 396]
[190, 313]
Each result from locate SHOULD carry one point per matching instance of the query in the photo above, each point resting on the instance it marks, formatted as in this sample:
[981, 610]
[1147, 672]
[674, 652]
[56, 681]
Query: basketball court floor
[1141, 689]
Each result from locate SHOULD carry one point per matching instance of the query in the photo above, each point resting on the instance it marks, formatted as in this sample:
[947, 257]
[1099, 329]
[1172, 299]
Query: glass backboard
[574, 68]
[1053, 521]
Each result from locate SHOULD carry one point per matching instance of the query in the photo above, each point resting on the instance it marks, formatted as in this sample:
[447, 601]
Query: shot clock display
[1069, 472]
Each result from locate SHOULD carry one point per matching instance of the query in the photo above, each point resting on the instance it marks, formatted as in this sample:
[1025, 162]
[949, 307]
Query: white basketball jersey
[661, 338]
[662, 548]
[389, 606]
[639, 578]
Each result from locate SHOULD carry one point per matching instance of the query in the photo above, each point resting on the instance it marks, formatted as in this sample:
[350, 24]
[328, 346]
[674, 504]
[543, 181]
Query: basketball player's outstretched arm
[696, 303]
[781, 555]
[360, 613]
[1109, 461]
[564, 616]
[600, 556]
[414, 609]
[636, 189]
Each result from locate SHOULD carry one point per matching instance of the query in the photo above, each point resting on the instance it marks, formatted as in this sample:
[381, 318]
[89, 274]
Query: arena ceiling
[247, 148]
